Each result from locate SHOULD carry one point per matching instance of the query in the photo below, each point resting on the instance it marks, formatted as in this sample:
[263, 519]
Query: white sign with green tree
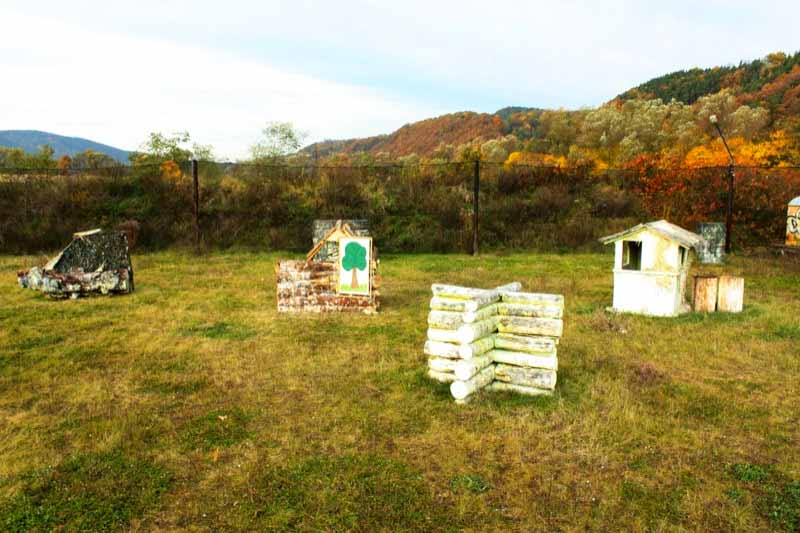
[355, 255]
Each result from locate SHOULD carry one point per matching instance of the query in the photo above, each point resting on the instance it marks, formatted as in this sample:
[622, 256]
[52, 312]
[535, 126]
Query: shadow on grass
[91, 492]
[684, 401]
[219, 330]
[783, 332]
[347, 493]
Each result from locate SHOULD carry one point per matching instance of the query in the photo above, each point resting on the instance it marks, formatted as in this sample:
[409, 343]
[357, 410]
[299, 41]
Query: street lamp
[731, 165]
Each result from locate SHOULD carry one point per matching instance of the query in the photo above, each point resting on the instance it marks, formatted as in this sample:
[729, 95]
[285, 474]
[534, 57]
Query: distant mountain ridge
[32, 140]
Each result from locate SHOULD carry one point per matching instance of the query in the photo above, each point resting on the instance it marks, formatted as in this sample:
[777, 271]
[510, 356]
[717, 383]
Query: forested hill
[753, 100]
[420, 138]
[771, 82]
[31, 141]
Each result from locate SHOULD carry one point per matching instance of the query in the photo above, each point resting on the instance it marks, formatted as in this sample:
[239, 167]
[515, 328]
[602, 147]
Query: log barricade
[494, 339]
[310, 286]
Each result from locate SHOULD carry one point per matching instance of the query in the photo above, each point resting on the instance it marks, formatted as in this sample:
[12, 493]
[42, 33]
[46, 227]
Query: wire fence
[410, 208]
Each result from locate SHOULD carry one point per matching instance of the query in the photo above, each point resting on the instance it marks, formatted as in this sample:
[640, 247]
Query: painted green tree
[355, 259]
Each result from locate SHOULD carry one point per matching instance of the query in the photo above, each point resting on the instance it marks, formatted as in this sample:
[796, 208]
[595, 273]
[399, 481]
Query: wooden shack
[651, 264]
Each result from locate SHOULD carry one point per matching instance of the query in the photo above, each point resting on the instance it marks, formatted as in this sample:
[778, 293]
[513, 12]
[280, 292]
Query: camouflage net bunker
[95, 262]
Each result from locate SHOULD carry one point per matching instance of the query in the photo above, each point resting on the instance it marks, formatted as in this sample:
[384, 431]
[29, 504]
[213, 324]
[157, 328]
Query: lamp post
[731, 165]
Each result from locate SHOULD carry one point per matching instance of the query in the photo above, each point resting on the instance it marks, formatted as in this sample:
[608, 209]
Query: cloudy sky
[114, 71]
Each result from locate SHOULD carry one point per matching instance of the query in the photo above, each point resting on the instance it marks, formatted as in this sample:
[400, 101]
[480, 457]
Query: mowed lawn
[191, 404]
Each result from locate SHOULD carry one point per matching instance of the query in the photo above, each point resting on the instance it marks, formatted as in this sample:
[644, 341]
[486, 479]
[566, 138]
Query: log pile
[525, 346]
[497, 339]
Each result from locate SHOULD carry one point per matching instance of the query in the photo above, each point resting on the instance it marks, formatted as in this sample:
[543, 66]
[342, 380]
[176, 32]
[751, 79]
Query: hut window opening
[682, 256]
[631, 255]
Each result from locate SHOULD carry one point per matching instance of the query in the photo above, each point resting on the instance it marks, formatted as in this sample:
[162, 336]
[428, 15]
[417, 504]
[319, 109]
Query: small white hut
[651, 264]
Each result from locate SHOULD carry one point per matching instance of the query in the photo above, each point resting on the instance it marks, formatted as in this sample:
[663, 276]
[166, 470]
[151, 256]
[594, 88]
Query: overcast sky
[114, 71]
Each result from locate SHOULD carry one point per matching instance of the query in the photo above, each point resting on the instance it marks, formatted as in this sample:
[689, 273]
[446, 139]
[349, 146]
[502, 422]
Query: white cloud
[116, 88]
[117, 70]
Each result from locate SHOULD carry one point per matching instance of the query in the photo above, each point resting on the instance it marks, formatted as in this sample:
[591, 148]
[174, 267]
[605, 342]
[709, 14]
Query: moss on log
[462, 389]
[499, 386]
[528, 377]
[474, 349]
[548, 362]
[548, 327]
[527, 344]
[465, 369]
[530, 310]
[442, 349]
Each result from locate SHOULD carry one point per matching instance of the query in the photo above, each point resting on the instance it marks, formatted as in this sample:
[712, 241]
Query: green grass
[192, 404]
[90, 492]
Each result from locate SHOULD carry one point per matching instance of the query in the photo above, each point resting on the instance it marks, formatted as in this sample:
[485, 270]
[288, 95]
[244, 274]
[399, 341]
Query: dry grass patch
[259, 420]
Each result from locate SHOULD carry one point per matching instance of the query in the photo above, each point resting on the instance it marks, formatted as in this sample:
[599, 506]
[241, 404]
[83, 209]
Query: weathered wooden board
[730, 294]
[547, 362]
[548, 327]
[528, 377]
[705, 294]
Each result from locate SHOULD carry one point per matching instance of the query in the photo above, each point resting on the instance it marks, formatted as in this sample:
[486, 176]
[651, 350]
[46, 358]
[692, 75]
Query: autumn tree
[64, 162]
[89, 159]
[278, 139]
[174, 147]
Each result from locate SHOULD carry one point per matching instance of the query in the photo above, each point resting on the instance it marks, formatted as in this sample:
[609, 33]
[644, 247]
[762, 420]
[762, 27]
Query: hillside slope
[421, 138]
[32, 140]
[771, 84]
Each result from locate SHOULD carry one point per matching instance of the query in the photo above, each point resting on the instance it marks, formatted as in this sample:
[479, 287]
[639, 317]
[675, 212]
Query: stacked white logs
[525, 353]
[499, 339]
[461, 326]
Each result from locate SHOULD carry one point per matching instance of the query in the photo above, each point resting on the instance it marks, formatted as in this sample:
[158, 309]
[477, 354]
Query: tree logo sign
[355, 256]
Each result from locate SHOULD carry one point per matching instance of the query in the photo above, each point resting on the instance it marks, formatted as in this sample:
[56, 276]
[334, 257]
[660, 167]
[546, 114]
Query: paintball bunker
[95, 262]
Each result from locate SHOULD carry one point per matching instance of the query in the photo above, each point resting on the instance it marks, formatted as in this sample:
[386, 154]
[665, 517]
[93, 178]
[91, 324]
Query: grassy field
[191, 404]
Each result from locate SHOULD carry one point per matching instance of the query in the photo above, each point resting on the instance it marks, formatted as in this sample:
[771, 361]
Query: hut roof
[663, 228]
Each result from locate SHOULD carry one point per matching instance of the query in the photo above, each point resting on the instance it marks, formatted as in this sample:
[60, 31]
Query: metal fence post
[196, 198]
[729, 211]
[475, 205]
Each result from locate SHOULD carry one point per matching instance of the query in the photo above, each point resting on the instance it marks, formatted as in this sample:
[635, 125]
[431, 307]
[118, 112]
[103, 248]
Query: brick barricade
[311, 287]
